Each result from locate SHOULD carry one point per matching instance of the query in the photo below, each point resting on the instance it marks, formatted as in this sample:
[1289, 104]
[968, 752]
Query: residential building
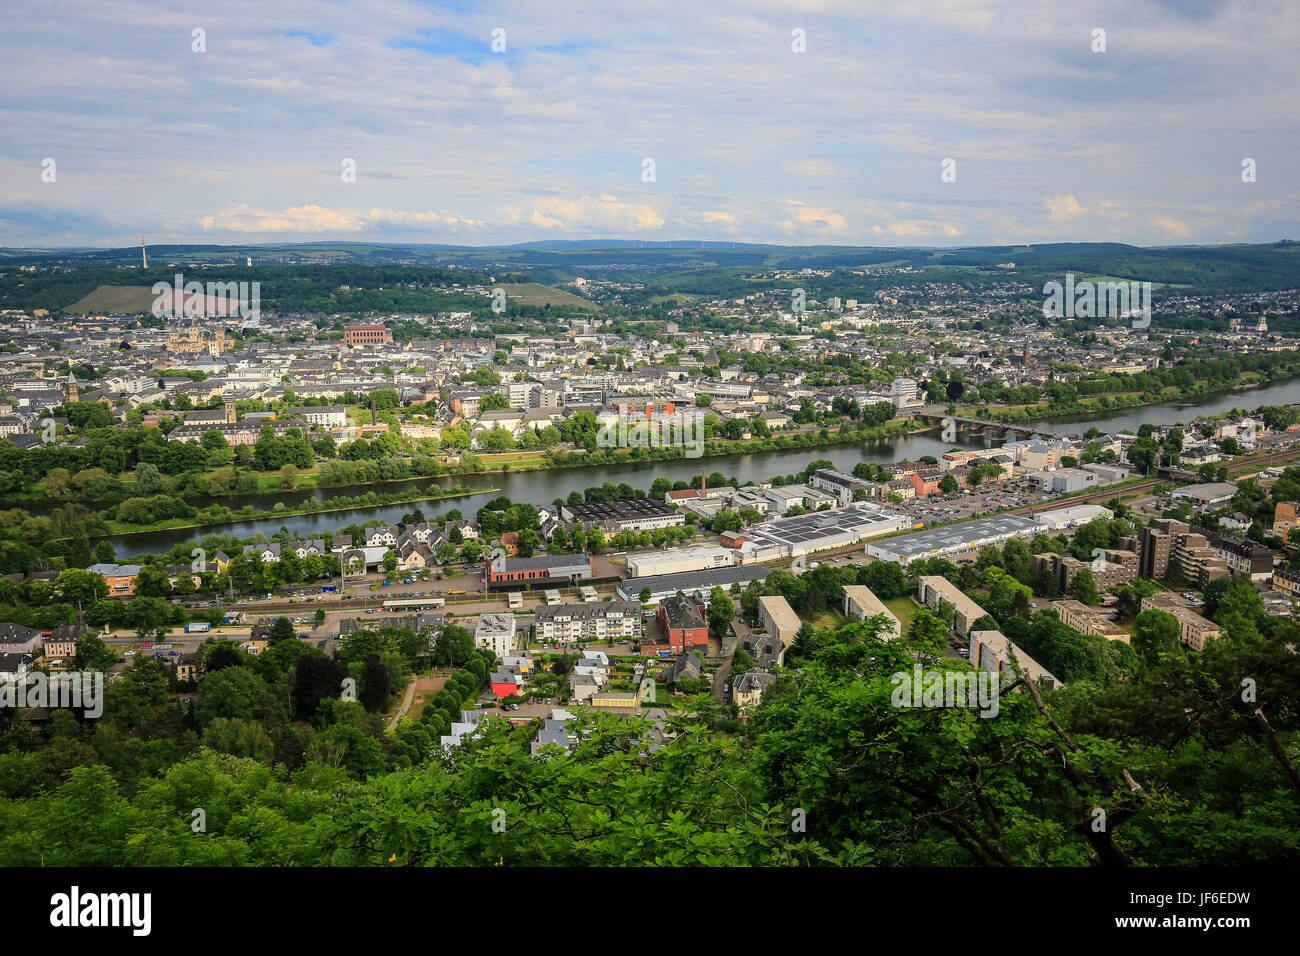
[1087, 620]
[496, 632]
[604, 622]
[779, 619]
[992, 651]
[861, 603]
[747, 691]
[683, 623]
[1194, 630]
[331, 416]
[932, 590]
[119, 577]
[1110, 569]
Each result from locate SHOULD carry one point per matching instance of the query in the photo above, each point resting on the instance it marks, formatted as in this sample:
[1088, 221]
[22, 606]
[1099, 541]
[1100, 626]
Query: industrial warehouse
[630, 514]
[952, 539]
[815, 531]
[690, 582]
[677, 560]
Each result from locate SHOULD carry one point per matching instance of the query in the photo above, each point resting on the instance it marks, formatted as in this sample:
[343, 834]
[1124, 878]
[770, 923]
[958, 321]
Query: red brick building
[366, 335]
[548, 568]
[683, 623]
[925, 482]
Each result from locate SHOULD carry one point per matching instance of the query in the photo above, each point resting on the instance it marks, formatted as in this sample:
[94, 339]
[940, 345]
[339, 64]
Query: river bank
[36, 501]
[1108, 406]
[545, 485]
[116, 529]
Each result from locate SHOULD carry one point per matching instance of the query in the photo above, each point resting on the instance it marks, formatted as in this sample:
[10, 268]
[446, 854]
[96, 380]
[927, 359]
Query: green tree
[1083, 588]
[721, 612]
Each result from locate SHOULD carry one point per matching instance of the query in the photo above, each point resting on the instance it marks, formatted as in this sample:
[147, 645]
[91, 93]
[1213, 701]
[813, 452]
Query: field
[425, 690]
[492, 462]
[534, 293]
[110, 299]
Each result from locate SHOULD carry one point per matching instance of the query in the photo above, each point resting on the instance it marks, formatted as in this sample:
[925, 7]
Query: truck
[328, 588]
[195, 627]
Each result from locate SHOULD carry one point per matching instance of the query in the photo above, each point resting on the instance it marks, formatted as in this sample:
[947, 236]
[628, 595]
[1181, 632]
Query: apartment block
[779, 619]
[1288, 582]
[496, 632]
[1087, 620]
[993, 651]
[1194, 629]
[932, 589]
[1156, 544]
[683, 623]
[604, 622]
[861, 603]
[1112, 568]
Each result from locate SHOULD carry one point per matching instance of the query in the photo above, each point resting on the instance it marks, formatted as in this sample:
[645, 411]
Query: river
[1172, 413]
[542, 487]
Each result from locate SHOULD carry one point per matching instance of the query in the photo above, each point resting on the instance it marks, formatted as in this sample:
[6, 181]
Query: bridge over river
[935, 415]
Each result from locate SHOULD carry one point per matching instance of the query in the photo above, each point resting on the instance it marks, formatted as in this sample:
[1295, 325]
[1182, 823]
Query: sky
[873, 122]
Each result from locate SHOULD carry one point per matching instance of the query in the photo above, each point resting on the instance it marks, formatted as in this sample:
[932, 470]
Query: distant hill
[702, 267]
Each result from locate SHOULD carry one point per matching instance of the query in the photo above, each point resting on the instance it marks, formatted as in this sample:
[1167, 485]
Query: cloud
[1063, 207]
[603, 212]
[1171, 227]
[321, 220]
[537, 142]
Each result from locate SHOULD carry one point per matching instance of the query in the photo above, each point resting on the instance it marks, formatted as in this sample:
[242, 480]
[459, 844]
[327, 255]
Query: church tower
[70, 390]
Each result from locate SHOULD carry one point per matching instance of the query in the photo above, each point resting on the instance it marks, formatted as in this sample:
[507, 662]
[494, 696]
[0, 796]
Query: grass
[424, 695]
[827, 619]
[903, 608]
[493, 461]
[534, 293]
[115, 299]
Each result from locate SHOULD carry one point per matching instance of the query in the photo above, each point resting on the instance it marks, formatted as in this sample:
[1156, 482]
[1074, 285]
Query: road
[720, 681]
[407, 699]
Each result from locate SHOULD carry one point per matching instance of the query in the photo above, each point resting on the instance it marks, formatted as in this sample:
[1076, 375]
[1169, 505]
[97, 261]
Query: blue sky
[547, 138]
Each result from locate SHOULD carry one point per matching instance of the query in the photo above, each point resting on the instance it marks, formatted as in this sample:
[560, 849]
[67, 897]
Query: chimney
[704, 482]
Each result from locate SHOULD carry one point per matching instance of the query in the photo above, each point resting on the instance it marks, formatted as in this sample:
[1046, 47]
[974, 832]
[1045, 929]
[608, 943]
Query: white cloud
[148, 133]
[321, 220]
[604, 212]
[1063, 207]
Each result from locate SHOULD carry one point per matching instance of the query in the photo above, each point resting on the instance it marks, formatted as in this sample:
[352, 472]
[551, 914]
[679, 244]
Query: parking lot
[971, 503]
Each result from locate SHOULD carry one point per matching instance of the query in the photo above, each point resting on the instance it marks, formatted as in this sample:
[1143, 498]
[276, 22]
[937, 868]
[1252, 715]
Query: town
[424, 531]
